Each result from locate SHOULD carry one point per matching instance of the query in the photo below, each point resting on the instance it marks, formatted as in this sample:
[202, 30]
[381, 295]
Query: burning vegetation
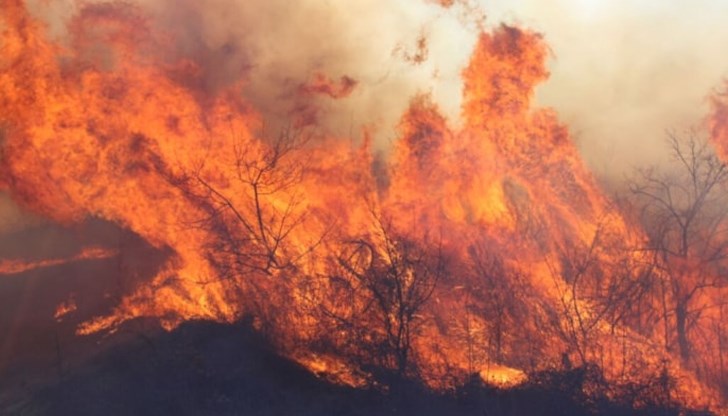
[476, 249]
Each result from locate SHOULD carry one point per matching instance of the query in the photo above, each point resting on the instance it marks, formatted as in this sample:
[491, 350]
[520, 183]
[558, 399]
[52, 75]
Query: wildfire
[460, 254]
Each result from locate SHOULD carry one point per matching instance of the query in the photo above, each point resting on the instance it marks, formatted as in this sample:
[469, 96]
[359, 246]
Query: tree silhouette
[684, 210]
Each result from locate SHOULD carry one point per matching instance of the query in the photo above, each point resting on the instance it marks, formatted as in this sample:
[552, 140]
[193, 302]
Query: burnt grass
[205, 368]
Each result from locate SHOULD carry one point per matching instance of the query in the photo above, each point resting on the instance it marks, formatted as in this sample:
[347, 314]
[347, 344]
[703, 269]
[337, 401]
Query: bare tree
[249, 204]
[393, 277]
[250, 218]
[684, 210]
[500, 297]
[603, 281]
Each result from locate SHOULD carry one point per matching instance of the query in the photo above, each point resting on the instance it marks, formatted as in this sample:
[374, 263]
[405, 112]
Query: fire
[65, 308]
[502, 376]
[471, 250]
[16, 266]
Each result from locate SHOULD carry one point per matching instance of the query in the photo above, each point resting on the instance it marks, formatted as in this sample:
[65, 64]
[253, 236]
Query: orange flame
[21, 266]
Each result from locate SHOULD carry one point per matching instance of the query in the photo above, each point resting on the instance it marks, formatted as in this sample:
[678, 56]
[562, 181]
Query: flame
[291, 229]
[502, 376]
[64, 309]
[21, 266]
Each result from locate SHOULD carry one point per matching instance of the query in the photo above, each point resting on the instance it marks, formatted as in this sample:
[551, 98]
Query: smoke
[624, 72]
[391, 50]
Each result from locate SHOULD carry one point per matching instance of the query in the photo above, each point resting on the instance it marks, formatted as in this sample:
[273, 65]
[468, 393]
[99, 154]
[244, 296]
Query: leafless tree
[603, 281]
[500, 297]
[684, 210]
[250, 219]
[249, 204]
[389, 277]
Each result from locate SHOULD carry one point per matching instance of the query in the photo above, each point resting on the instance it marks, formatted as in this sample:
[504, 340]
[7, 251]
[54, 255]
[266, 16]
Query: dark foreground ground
[201, 368]
[211, 369]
